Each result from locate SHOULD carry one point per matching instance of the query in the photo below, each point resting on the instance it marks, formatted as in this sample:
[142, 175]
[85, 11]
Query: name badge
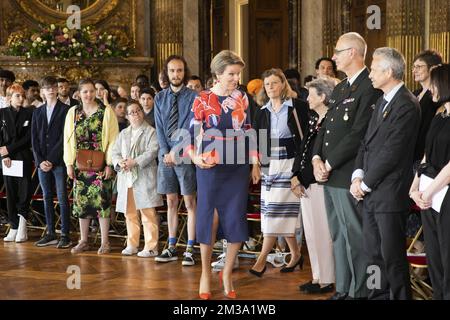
[348, 100]
[26, 123]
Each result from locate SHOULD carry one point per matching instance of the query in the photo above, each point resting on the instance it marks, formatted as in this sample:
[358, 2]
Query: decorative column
[167, 27]
[439, 38]
[336, 22]
[295, 31]
[405, 31]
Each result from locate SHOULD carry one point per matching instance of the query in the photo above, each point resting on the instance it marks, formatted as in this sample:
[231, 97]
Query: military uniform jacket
[344, 127]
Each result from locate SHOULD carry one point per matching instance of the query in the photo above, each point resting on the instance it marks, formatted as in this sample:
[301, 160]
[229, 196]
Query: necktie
[380, 110]
[173, 116]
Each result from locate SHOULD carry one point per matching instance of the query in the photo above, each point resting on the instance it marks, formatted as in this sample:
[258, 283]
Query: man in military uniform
[350, 109]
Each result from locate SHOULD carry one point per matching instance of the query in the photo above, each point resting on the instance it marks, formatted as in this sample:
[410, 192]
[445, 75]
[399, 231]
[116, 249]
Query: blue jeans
[57, 176]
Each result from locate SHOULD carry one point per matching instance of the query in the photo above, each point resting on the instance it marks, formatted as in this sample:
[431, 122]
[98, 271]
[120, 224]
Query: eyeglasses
[419, 66]
[134, 112]
[337, 51]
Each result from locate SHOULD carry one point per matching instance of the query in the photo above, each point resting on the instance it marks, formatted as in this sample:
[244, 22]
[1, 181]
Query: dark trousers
[385, 247]
[437, 241]
[18, 196]
[56, 177]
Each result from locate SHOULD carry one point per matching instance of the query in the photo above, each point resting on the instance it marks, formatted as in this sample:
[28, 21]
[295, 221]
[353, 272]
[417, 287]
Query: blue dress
[224, 122]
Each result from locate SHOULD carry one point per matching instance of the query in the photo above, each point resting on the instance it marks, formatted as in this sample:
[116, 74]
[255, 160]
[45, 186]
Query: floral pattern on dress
[208, 109]
[92, 195]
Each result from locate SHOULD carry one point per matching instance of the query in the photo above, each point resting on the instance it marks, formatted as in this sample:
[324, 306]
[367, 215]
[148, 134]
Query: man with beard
[32, 93]
[173, 112]
[64, 92]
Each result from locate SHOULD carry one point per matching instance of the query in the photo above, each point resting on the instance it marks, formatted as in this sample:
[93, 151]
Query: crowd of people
[344, 159]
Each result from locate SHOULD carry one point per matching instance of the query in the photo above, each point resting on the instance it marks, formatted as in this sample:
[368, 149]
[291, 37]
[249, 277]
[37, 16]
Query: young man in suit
[334, 154]
[47, 140]
[384, 172]
[64, 93]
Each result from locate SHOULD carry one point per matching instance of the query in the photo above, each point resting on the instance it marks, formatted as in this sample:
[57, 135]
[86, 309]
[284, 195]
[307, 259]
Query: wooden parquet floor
[29, 272]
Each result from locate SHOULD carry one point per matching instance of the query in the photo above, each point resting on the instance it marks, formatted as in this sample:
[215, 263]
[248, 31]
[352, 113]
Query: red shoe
[230, 295]
[205, 296]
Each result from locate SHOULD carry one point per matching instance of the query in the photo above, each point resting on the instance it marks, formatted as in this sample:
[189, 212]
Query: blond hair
[286, 92]
[224, 59]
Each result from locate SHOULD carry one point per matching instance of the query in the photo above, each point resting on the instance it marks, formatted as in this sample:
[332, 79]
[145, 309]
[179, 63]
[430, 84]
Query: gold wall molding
[336, 23]
[406, 31]
[439, 38]
[41, 13]
[114, 16]
[167, 29]
[116, 72]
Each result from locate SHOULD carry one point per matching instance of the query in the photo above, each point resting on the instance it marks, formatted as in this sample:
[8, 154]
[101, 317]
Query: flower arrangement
[60, 43]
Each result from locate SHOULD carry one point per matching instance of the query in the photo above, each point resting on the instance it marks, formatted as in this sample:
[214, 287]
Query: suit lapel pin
[385, 114]
[354, 87]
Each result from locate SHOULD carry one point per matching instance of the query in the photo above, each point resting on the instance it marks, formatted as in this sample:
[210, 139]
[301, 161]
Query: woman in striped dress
[281, 122]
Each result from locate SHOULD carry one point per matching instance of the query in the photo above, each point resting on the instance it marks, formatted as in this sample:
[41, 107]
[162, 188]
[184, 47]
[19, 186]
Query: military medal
[346, 115]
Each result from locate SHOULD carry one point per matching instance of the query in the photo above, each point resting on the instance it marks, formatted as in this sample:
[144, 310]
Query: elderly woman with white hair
[303, 184]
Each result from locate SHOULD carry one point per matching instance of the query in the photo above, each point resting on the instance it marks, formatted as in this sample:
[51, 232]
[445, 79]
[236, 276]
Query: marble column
[191, 43]
[311, 35]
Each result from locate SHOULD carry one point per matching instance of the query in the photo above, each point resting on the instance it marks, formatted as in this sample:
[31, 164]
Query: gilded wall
[128, 20]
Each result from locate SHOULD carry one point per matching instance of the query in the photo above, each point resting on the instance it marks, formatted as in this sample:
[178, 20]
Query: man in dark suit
[64, 93]
[47, 140]
[383, 175]
[334, 154]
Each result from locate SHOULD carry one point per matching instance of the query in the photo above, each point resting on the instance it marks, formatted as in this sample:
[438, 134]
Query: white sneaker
[147, 253]
[11, 237]
[220, 263]
[22, 235]
[129, 251]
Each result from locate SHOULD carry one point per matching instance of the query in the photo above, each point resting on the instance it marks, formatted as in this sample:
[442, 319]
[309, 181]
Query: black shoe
[351, 298]
[302, 287]
[64, 242]
[290, 269]
[259, 274]
[317, 289]
[47, 240]
[338, 296]
[169, 254]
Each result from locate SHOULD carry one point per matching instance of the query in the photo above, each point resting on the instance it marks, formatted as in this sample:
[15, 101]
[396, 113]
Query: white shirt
[3, 103]
[359, 173]
[66, 102]
[50, 109]
[355, 76]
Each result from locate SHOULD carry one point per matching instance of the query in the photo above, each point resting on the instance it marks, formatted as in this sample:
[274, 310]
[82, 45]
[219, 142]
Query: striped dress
[280, 208]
